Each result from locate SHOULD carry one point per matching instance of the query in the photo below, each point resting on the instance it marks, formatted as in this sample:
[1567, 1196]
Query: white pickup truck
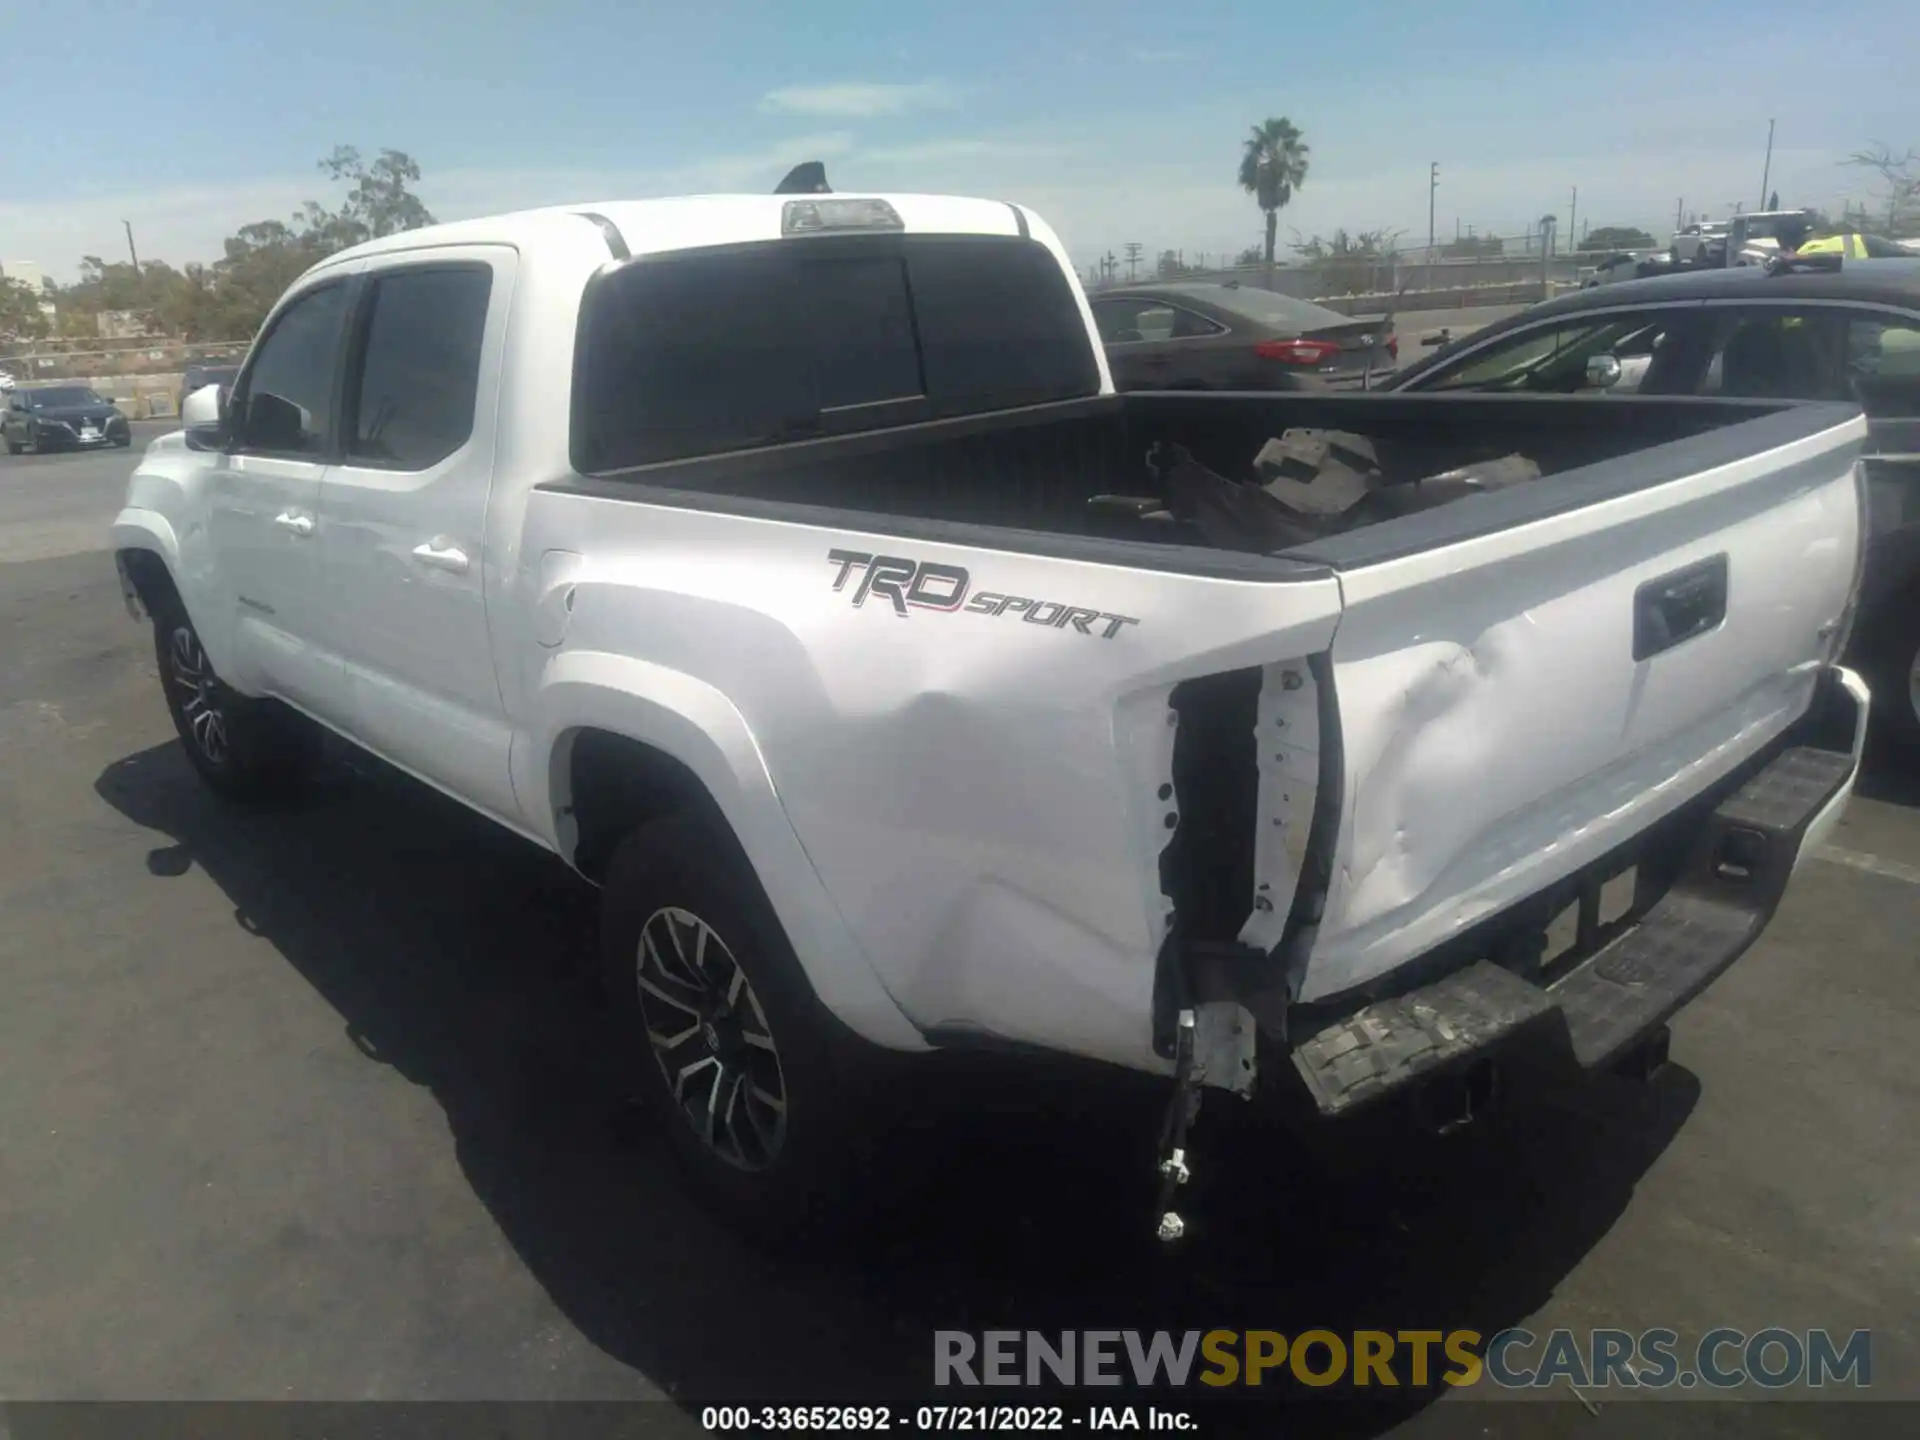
[790, 567]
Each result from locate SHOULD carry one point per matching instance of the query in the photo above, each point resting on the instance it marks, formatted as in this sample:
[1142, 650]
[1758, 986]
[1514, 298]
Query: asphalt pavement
[316, 1105]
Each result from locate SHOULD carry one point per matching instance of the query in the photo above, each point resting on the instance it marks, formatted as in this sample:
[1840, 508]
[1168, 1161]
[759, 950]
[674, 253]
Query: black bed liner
[1022, 480]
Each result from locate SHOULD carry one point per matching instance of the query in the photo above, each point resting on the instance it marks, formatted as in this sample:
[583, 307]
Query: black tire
[13, 446]
[248, 750]
[1892, 666]
[123, 442]
[793, 1095]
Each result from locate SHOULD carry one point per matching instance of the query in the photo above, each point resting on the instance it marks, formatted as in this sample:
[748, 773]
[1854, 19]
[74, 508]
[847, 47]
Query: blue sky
[1118, 121]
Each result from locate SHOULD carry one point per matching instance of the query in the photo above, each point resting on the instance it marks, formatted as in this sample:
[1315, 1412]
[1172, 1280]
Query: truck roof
[680, 222]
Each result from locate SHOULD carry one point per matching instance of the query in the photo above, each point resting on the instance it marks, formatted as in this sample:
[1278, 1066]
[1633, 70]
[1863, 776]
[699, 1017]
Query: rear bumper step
[1737, 868]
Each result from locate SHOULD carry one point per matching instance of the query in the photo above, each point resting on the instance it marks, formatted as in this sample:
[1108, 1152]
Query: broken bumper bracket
[1737, 869]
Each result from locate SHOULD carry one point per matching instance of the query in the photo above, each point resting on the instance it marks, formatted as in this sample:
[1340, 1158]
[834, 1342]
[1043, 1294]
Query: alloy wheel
[711, 1039]
[198, 692]
[1913, 684]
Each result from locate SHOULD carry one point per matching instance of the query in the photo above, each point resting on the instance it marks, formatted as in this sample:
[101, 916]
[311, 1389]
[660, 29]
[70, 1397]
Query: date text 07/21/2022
[947, 1419]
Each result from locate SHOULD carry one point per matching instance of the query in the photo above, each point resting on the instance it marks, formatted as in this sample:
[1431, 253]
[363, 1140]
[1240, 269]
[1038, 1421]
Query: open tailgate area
[1527, 682]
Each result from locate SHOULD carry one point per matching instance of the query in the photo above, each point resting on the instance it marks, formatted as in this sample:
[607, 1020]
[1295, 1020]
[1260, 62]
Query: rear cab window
[703, 352]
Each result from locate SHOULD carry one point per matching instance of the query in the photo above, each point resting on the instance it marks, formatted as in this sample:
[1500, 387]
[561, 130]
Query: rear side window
[711, 351]
[419, 371]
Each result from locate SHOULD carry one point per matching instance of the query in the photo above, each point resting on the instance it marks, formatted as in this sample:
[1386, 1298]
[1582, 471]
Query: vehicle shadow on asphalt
[1890, 775]
[458, 955]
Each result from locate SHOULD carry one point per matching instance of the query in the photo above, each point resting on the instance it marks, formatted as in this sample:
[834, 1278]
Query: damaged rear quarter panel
[977, 793]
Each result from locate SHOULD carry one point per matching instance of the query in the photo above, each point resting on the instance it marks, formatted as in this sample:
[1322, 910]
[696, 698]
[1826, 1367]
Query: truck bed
[1039, 470]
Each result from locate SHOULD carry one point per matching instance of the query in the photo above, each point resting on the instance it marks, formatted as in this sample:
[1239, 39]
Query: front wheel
[123, 442]
[765, 1096]
[244, 749]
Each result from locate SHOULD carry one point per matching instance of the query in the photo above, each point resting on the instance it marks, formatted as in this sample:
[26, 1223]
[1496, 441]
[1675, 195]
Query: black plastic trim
[1571, 490]
[1020, 221]
[610, 232]
[1128, 554]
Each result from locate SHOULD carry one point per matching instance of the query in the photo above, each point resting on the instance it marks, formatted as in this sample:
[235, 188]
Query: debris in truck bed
[1316, 483]
[1228, 515]
[1318, 472]
[1491, 474]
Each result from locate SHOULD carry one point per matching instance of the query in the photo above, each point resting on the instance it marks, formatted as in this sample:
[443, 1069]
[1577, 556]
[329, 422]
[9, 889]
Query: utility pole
[1433, 189]
[1573, 214]
[1679, 209]
[130, 250]
[1767, 173]
[1132, 248]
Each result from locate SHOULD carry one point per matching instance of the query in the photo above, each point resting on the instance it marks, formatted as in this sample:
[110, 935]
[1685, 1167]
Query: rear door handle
[293, 520]
[442, 554]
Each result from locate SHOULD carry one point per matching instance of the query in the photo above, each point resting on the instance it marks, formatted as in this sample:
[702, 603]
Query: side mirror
[203, 415]
[1603, 372]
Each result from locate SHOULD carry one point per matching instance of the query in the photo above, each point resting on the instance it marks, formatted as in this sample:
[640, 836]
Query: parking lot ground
[317, 1105]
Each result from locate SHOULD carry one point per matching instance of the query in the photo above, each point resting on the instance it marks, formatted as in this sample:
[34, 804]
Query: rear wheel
[245, 749]
[766, 1098]
[1892, 665]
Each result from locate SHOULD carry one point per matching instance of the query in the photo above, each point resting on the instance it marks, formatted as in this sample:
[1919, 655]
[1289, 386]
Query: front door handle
[442, 554]
[293, 520]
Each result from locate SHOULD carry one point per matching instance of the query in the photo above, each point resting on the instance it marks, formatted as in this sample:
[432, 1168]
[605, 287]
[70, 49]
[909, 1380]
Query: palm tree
[1272, 166]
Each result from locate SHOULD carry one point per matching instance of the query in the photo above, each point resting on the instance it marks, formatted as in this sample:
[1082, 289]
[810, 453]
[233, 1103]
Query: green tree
[1248, 256]
[1352, 264]
[20, 315]
[1473, 247]
[1273, 164]
[1618, 237]
[228, 299]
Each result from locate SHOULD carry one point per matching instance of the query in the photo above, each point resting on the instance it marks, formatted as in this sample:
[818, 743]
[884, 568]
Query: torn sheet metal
[1287, 736]
[1148, 726]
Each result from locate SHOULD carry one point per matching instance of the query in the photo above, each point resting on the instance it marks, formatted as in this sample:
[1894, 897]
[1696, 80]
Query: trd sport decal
[923, 585]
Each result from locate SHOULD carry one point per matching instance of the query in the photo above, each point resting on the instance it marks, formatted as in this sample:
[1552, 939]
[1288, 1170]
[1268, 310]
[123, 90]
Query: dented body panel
[980, 794]
[1498, 731]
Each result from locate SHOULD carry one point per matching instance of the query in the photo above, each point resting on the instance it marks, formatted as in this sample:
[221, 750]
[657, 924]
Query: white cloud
[859, 101]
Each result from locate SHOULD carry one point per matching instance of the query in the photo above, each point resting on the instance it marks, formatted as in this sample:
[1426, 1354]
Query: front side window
[288, 408]
[1559, 358]
[419, 371]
